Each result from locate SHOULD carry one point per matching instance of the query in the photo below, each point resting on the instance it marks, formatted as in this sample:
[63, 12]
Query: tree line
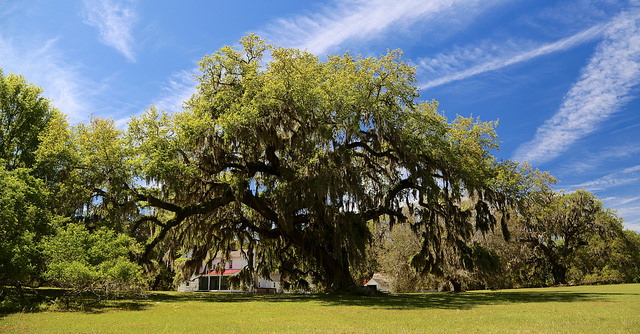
[323, 171]
[569, 238]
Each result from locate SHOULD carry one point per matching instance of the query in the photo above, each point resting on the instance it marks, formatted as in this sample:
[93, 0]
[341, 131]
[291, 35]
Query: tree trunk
[558, 270]
[559, 273]
[338, 275]
[456, 285]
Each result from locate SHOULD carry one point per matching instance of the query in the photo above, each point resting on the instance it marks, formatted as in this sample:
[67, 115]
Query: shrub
[98, 263]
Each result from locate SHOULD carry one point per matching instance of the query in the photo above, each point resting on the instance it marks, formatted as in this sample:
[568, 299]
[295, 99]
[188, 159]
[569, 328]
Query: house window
[224, 283]
[230, 264]
[203, 283]
[214, 283]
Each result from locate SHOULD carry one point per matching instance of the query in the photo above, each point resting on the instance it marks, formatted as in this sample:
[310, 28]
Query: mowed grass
[582, 309]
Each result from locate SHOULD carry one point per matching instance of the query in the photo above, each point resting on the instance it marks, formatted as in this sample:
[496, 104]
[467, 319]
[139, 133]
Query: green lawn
[583, 309]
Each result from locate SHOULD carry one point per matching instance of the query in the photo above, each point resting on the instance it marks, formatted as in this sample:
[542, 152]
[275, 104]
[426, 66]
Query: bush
[98, 263]
[606, 275]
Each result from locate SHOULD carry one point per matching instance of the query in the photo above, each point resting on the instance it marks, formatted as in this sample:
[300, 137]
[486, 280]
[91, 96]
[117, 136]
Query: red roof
[226, 272]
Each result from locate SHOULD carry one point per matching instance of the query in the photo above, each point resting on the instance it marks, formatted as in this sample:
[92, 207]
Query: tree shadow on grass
[460, 301]
[394, 301]
[52, 299]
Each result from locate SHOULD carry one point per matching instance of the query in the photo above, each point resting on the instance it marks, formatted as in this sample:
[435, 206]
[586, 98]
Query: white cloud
[484, 57]
[601, 90]
[629, 200]
[627, 207]
[180, 87]
[367, 19]
[623, 177]
[114, 20]
[7, 8]
[630, 214]
[42, 64]
[633, 225]
[605, 155]
[631, 169]
[559, 15]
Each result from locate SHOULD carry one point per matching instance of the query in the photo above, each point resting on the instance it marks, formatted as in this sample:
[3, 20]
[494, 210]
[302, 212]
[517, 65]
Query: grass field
[582, 309]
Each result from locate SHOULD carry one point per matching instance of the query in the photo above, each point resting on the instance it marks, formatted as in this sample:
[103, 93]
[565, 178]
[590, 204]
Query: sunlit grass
[584, 309]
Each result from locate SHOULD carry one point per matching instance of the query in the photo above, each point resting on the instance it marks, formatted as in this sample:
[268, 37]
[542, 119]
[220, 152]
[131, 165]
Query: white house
[218, 280]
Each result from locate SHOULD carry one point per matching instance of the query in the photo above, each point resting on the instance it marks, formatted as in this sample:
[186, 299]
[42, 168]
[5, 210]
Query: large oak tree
[288, 157]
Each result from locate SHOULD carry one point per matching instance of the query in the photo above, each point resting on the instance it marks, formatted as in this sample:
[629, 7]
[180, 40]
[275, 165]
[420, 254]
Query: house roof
[226, 272]
[377, 281]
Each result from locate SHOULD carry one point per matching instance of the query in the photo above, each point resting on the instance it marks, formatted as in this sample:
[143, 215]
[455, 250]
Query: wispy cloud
[631, 223]
[179, 88]
[114, 20]
[621, 185]
[562, 15]
[7, 8]
[601, 90]
[484, 57]
[365, 19]
[619, 178]
[626, 207]
[41, 63]
[604, 155]
[624, 201]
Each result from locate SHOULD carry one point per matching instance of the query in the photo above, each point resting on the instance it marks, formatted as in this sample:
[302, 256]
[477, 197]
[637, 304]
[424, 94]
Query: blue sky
[562, 77]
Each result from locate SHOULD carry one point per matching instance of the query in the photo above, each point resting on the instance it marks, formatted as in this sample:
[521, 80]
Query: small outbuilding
[378, 282]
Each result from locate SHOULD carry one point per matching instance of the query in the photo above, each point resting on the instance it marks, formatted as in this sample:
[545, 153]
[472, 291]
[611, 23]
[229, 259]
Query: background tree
[612, 256]
[90, 174]
[24, 214]
[519, 265]
[394, 256]
[560, 238]
[52, 174]
[24, 220]
[389, 252]
[564, 225]
[24, 114]
[529, 190]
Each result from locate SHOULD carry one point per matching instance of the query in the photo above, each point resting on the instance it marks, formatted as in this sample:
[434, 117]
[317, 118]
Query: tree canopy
[24, 114]
[290, 156]
[24, 214]
[24, 220]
